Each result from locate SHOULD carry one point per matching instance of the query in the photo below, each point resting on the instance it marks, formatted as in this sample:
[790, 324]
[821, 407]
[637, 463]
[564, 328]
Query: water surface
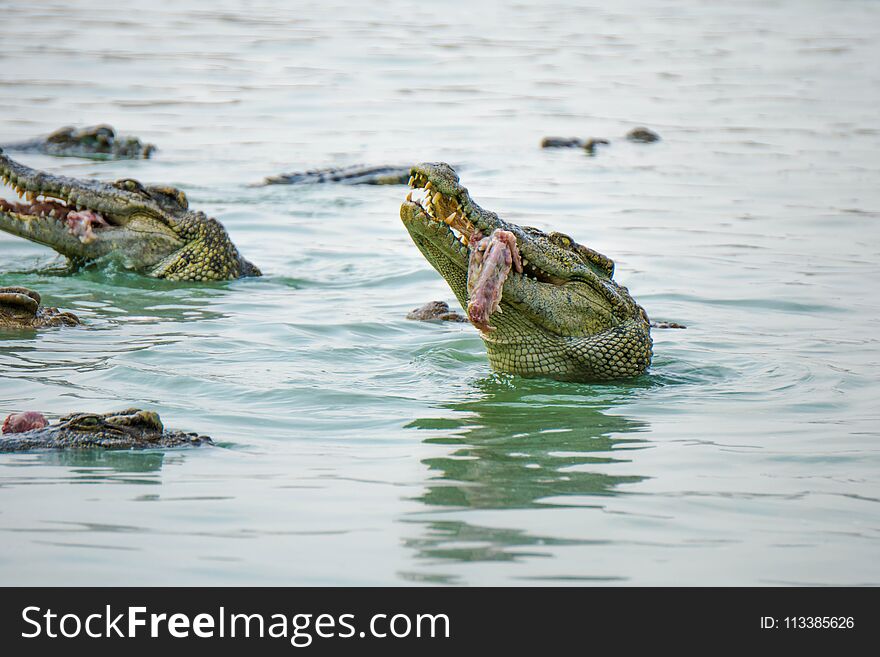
[362, 448]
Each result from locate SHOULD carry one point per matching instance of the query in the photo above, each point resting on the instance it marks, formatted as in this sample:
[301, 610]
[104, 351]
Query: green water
[361, 448]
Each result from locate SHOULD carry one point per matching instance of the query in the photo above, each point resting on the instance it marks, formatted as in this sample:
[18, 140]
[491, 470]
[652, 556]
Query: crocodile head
[96, 141]
[20, 309]
[132, 428]
[147, 228]
[545, 305]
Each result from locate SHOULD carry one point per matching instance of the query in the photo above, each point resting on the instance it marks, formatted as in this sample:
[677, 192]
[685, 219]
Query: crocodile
[147, 228]
[99, 142]
[642, 135]
[353, 175]
[589, 145]
[132, 428]
[639, 135]
[20, 309]
[554, 308]
[435, 311]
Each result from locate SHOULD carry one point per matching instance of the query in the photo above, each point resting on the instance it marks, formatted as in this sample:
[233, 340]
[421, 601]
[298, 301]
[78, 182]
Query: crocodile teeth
[409, 196]
[412, 181]
[428, 185]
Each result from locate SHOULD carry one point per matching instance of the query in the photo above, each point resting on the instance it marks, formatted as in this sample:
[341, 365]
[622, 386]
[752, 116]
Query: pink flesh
[490, 262]
[80, 224]
[35, 208]
[21, 422]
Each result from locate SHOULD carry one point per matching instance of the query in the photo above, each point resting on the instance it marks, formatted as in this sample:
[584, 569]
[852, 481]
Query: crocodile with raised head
[99, 142]
[20, 309]
[353, 175]
[554, 308]
[132, 428]
[146, 228]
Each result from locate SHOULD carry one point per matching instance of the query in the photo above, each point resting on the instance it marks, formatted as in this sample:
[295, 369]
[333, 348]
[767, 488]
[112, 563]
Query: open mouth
[441, 208]
[79, 220]
[448, 210]
[490, 258]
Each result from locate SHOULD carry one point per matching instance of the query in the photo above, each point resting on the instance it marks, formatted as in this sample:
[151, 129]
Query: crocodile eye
[87, 421]
[561, 239]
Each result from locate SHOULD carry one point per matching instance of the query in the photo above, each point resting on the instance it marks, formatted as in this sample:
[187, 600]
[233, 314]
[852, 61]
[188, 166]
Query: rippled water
[362, 448]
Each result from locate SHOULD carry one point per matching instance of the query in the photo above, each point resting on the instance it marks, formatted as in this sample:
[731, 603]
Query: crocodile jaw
[444, 223]
[561, 316]
[83, 220]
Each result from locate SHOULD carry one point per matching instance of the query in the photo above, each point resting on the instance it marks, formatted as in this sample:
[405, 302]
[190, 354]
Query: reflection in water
[461, 541]
[98, 465]
[106, 293]
[520, 444]
[17, 333]
[119, 311]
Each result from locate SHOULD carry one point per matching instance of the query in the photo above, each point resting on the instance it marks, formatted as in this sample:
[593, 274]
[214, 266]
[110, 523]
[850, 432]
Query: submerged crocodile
[353, 175]
[148, 229]
[589, 145]
[132, 428]
[20, 309]
[95, 142]
[641, 135]
[435, 311]
[554, 309]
